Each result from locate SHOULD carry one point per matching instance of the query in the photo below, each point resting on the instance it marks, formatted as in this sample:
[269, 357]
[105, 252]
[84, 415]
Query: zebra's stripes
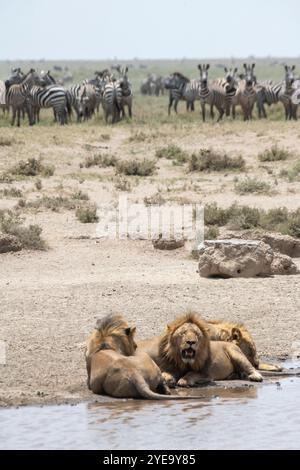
[182, 88]
[212, 95]
[113, 101]
[17, 95]
[246, 95]
[126, 88]
[51, 96]
[286, 93]
[229, 83]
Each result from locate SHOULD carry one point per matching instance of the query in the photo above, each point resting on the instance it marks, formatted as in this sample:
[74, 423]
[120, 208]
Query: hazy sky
[102, 29]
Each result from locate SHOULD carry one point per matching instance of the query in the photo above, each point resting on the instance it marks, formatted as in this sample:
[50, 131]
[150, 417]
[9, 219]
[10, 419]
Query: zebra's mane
[181, 76]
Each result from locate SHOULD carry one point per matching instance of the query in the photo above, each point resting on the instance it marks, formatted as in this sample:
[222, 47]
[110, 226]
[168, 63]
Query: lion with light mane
[239, 335]
[114, 369]
[187, 357]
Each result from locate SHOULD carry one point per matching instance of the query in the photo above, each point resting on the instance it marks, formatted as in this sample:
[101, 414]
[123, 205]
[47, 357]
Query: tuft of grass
[11, 193]
[237, 217]
[174, 153]
[87, 214]
[6, 142]
[210, 160]
[123, 184]
[54, 204]
[136, 167]
[102, 161]
[252, 185]
[32, 167]
[39, 185]
[28, 237]
[291, 174]
[138, 137]
[212, 233]
[80, 196]
[155, 200]
[274, 154]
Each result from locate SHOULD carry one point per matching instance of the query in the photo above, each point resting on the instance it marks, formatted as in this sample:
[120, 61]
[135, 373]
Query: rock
[168, 245]
[283, 265]
[281, 243]
[9, 243]
[235, 259]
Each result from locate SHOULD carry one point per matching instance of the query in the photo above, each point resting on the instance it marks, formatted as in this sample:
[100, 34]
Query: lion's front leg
[242, 364]
[192, 379]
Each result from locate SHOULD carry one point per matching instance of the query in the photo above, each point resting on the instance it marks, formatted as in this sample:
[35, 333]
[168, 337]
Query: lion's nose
[191, 343]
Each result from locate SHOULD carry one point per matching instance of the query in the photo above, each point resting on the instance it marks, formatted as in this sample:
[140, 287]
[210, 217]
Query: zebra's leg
[221, 114]
[203, 111]
[19, 117]
[233, 111]
[212, 113]
[175, 106]
[193, 106]
[130, 111]
[14, 112]
[170, 104]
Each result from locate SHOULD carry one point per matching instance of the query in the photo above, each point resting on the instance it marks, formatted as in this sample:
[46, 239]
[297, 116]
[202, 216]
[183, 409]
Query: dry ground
[49, 300]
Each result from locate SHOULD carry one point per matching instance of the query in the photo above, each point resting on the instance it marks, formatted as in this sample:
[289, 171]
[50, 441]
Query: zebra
[3, 104]
[212, 95]
[246, 94]
[49, 95]
[17, 95]
[113, 101]
[267, 93]
[126, 91]
[182, 88]
[87, 100]
[229, 84]
[286, 93]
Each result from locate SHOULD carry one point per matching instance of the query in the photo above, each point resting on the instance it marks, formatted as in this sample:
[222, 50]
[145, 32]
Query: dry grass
[87, 214]
[102, 161]
[32, 167]
[135, 167]
[252, 186]
[28, 237]
[274, 154]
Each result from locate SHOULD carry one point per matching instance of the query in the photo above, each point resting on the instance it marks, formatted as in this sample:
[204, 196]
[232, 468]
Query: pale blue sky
[102, 29]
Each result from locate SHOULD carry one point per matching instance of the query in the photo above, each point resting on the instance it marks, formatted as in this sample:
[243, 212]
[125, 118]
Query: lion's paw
[183, 383]
[169, 379]
[255, 377]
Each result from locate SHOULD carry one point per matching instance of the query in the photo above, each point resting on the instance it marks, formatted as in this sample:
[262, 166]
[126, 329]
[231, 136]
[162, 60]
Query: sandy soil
[50, 300]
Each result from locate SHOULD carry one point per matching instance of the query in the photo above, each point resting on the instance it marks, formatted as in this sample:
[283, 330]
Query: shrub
[174, 153]
[123, 184]
[274, 154]
[6, 142]
[102, 161]
[53, 203]
[210, 160]
[80, 196]
[155, 200]
[212, 233]
[292, 174]
[214, 215]
[138, 137]
[32, 167]
[252, 185]
[143, 167]
[242, 217]
[29, 237]
[11, 193]
[87, 214]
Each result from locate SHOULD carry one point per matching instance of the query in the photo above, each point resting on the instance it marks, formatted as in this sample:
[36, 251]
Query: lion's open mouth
[189, 353]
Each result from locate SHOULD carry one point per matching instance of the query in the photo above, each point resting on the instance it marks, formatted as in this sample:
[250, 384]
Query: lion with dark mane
[187, 357]
[114, 368]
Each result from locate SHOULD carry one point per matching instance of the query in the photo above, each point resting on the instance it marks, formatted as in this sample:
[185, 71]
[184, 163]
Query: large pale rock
[281, 243]
[283, 265]
[235, 259]
[9, 243]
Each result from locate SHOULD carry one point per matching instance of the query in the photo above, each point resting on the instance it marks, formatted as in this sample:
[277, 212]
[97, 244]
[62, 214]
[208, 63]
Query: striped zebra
[267, 93]
[286, 93]
[182, 88]
[229, 84]
[73, 96]
[17, 95]
[49, 96]
[3, 104]
[126, 88]
[113, 101]
[246, 95]
[212, 95]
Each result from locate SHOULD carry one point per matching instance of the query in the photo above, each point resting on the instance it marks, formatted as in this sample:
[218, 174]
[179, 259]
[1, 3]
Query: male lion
[239, 335]
[115, 370]
[187, 357]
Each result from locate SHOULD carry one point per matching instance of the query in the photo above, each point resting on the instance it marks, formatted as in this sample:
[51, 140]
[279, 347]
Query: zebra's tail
[69, 106]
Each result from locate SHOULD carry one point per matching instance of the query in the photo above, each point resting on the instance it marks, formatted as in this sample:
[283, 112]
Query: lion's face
[188, 339]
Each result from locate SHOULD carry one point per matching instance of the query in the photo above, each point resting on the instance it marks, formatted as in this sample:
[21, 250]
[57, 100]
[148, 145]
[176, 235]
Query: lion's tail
[144, 390]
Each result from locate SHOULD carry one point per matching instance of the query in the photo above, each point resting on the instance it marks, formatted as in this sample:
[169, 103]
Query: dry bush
[87, 214]
[28, 237]
[102, 161]
[274, 154]
[210, 160]
[252, 185]
[32, 167]
[136, 167]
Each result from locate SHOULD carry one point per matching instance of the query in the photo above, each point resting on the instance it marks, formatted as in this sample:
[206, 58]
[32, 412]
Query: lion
[239, 335]
[114, 369]
[187, 357]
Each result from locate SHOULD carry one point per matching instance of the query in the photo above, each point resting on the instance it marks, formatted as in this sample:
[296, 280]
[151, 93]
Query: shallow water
[267, 417]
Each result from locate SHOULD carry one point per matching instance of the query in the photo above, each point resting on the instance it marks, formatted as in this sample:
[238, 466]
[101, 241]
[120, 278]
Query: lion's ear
[236, 334]
[130, 331]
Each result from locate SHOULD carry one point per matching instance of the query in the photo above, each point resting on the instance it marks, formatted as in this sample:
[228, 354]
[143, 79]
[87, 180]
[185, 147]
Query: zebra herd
[233, 90]
[27, 94]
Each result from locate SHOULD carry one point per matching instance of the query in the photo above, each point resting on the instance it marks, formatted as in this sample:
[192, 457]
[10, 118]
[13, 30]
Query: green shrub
[174, 153]
[87, 214]
[102, 161]
[32, 167]
[143, 167]
[252, 185]
[29, 237]
[274, 154]
[210, 160]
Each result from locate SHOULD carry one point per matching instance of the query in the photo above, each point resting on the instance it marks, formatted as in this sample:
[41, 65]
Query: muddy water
[267, 417]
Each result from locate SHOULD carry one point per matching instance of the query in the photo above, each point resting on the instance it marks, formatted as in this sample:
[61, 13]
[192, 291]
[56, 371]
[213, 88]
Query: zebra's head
[249, 77]
[175, 81]
[230, 76]
[289, 75]
[204, 73]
